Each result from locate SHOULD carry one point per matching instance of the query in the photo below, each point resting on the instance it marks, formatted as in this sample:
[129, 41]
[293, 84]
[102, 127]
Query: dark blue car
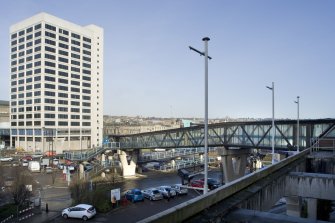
[134, 195]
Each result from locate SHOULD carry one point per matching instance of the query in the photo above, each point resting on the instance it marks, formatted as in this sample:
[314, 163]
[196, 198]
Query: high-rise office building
[56, 84]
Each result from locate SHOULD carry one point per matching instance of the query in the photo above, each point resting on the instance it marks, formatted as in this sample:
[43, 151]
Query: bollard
[46, 208]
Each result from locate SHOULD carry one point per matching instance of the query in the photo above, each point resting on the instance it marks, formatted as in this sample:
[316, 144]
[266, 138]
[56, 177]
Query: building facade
[56, 85]
[4, 124]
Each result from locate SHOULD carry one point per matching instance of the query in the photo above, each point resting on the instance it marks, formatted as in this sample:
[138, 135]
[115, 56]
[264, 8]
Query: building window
[62, 38]
[75, 36]
[49, 115]
[50, 34]
[50, 49]
[62, 123]
[50, 27]
[49, 123]
[38, 26]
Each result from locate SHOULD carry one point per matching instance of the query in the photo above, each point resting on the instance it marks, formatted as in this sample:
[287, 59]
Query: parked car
[34, 166]
[212, 183]
[166, 190]
[152, 194]
[87, 166]
[179, 189]
[50, 153]
[48, 169]
[55, 162]
[37, 155]
[134, 195]
[60, 166]
[27, 158]
[83, 211]
[6, 159]
[24, 163]
[197, 183]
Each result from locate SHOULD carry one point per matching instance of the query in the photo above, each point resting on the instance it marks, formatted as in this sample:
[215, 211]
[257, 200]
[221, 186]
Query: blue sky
[150, 71]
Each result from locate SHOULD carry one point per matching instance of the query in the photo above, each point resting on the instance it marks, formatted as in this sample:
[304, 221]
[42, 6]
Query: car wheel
[85, 218]
[65, 216]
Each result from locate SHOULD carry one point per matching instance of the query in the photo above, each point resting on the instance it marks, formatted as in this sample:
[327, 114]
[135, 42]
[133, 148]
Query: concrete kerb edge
[50, 219]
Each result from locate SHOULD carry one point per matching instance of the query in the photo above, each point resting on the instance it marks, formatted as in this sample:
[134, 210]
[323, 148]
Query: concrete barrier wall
[194, 206]
[311, 185]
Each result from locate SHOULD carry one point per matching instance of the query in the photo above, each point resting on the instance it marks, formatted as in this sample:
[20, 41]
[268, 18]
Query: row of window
[50, 101]
[53, 57]
[51, 79]
[50, 108]
[50, 123]
[50, 93]
[47, 41]
[48, 115]
[51, 86]
[51, 28]
[37, 78]
[21, 68]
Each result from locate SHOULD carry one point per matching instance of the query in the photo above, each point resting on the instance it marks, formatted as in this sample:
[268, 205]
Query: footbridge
[255, 134]
[230, 136]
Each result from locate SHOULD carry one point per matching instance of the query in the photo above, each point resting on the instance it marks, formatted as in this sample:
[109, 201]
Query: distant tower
[56, 84]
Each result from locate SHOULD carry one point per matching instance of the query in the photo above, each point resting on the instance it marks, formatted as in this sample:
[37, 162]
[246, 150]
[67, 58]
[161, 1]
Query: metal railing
[323, 144]
[180, 164]
[173, 153]
[79, 155]
[100, 167]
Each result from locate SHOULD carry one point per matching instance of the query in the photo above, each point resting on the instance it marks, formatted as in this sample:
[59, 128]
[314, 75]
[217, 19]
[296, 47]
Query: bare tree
[18, 189]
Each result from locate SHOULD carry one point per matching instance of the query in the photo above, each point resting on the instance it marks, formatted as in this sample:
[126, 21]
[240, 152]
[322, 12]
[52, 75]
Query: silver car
[167, 191]
[180, 190]
[152, 194]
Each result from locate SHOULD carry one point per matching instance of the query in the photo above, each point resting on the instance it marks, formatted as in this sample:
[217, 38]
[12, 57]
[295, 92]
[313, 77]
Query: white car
[6, 159]
[167, 191]
[83, 211]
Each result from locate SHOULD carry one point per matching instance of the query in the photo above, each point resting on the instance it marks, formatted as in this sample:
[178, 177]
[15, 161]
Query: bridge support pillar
[293, 206]
[128, 164]
[173, 164]
[103, 159]
[81, 171]
[312, 208]
[234, 162]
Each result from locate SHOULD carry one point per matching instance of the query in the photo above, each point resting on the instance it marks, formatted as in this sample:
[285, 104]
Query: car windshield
[137, 192]
[155, 192]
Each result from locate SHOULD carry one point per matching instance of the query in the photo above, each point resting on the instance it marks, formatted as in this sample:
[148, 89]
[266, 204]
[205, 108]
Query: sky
[149, 69]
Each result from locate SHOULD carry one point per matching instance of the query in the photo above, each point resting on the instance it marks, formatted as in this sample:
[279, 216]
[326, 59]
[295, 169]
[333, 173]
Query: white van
[34, 166]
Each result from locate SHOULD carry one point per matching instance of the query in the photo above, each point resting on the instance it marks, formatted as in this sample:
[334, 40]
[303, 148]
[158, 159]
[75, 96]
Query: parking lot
[133, 212]
[57, 195]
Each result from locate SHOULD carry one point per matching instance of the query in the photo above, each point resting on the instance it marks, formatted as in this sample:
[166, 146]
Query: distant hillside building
[56, 84]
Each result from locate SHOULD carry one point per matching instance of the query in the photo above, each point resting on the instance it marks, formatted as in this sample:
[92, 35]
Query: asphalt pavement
[57, 197]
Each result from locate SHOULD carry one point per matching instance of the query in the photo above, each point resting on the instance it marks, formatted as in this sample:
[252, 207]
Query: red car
[197, 183]
[27, 158]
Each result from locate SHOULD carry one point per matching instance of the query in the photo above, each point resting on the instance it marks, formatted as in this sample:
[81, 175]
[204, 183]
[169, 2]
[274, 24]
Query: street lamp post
[273, 120]
[298, 136]
[205, 39]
